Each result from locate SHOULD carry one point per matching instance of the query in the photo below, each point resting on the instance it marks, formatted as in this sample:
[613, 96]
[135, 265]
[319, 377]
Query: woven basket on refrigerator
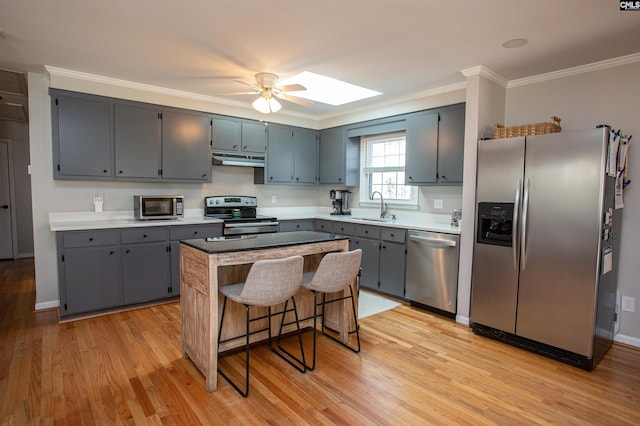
[527, 129]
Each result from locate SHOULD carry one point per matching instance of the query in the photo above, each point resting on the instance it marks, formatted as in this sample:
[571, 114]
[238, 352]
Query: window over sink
[382, 165]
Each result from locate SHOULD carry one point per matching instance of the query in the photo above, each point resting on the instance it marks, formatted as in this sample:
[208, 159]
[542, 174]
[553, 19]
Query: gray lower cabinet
[295, 225]
[103, 270]
[383, 253]
[146, 274]
[186, 232]
[88, 271]
[82, 136]
[367, 238]
[393, 253]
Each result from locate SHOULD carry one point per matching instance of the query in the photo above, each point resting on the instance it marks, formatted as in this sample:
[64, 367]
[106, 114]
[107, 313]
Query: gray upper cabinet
[236, 135]
[100, 138]
[138, 141]
[435, 146]
[254, 137]
[226, 133]
[280, 155]
[421, 165]
[305, 156]
[451, 144]
[186, 150]
[292, 156]
[339, 157]
[82, 136]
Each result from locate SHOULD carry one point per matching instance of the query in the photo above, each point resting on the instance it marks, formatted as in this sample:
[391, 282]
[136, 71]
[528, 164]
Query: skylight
[328, 90]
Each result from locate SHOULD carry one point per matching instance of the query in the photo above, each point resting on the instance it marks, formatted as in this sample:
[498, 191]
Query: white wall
[610, 96]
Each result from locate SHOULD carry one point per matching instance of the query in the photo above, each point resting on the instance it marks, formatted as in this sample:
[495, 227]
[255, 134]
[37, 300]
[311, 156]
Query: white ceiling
[397, 47]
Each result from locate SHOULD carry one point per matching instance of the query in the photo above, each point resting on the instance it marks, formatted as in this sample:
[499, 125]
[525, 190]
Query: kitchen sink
[373, 219]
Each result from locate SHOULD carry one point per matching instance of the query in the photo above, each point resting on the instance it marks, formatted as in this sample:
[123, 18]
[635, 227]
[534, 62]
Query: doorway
[7, 212]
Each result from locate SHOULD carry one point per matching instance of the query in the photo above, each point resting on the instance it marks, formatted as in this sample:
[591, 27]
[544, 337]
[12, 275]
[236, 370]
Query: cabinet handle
[244, 147]
[120, 171]
[391, 235]
[145, 236]
[90, 239]
[270, 177]
[235, 146]
[411, 178]
[111, 252]
[104, 171]
[297, 179]
[127, 251]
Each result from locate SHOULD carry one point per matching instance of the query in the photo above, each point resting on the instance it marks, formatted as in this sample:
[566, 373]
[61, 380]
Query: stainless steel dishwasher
[432, 271]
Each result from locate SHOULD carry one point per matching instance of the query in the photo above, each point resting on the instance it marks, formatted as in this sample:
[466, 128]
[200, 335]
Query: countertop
[260, 241]
[75, 221]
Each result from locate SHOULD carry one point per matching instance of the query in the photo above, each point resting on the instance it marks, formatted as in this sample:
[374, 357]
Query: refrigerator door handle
[514, 229]
[523, 240]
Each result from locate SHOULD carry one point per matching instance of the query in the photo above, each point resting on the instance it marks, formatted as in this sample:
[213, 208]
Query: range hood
[243, 160]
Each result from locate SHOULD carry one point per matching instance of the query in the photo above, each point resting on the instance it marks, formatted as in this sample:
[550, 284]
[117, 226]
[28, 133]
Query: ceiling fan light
[274, 105]
[266, 105]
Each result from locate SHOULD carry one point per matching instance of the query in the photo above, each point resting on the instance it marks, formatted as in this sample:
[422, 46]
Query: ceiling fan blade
[245, 83]
[293, 99]
[292, 88]
[255, 92]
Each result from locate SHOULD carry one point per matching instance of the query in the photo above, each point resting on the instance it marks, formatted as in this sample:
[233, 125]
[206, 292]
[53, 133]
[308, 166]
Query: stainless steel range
[238, 213]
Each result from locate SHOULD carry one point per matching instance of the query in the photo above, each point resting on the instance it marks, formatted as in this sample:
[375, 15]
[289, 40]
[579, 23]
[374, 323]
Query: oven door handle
[250, 224]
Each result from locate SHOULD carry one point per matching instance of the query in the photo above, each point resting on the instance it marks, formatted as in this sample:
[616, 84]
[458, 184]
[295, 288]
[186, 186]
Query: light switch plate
[438, 204]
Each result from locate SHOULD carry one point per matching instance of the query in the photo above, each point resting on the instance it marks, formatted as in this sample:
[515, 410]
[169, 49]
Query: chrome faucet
[383, 205]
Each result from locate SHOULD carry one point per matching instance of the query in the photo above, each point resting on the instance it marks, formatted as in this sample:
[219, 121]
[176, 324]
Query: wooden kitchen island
[207, 264]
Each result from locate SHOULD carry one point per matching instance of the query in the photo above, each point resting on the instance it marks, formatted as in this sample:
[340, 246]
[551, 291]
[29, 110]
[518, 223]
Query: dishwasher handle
[432, 241]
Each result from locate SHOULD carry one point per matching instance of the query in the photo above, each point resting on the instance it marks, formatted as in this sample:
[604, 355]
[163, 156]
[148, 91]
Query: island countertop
[260, 241]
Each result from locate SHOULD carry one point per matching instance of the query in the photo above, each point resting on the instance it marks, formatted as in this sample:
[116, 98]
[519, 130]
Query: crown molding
[148, 88]
[485, 72]
[582, 69]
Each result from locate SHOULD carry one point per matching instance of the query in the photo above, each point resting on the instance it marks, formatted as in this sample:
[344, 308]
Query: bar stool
[269, 282]
[335, 273]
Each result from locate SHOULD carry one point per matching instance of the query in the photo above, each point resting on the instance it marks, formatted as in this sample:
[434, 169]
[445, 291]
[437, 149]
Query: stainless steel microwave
[147, 207]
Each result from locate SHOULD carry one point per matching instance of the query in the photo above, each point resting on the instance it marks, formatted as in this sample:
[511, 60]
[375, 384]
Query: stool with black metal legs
[269, 283]
[336, 272]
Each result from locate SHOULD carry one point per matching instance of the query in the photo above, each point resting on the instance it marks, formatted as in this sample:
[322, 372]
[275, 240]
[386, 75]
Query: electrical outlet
[273, 199]
[628, 304]
[438, 204]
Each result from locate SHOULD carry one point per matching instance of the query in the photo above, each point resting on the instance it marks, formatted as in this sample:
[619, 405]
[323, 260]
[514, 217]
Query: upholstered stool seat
[269, 283]
[336, 272]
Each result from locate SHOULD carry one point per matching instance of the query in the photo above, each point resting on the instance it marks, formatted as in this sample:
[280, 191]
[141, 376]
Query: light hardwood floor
[414, 368]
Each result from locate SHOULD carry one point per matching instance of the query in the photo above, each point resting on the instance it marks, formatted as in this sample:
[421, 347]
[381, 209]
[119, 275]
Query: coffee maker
[340, 201]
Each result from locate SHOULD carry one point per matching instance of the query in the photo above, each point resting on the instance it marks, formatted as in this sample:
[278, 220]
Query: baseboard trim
[47, 305]
[627, 340]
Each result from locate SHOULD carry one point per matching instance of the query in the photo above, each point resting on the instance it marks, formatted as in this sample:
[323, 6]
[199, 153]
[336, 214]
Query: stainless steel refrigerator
[546, 245]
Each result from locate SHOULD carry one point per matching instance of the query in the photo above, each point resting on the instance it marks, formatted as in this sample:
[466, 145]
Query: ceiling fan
[268, 89]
